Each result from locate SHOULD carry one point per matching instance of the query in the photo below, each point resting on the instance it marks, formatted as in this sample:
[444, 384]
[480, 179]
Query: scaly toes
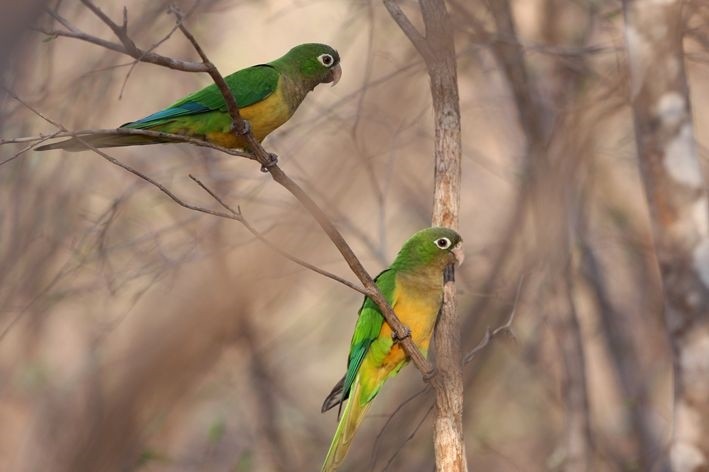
[406, 334]
[272, 161]
[242, 130]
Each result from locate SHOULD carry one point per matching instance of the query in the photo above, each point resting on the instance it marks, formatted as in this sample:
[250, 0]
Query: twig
[239, 214]
[416, 38]
[137, 61]
[132, 50]
[437, 48]
[408, 438]
[256, 151]
[232, 107]
[177, 138]
[266, 160]
[121, 32]
[231, 213]
[375, 448]
[24, 150]
[502, 329]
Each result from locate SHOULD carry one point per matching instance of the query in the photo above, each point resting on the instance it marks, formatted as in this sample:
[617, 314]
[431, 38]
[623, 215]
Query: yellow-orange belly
[264, 117]
[419, 314]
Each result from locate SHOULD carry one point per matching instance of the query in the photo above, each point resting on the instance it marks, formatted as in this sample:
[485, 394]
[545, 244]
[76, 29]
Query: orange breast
[417, 308]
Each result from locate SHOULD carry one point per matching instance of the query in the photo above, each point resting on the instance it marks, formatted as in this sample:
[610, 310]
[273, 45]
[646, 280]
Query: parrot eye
[443, 243]
[326, 60]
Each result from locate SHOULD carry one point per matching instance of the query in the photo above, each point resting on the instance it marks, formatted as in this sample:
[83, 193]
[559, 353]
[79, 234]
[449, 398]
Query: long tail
[346, 428]
[100, 141]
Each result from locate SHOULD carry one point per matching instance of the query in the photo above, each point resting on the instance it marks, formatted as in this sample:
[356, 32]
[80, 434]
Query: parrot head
[315, 63]
[433, 247]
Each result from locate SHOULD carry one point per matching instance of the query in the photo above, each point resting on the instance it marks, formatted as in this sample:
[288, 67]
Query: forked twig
[491, 334]
[127, 46]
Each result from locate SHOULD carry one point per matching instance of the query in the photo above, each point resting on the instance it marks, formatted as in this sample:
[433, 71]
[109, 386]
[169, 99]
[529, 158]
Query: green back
[249, 86]
[369, 323]
[254, 84]
[420, 252]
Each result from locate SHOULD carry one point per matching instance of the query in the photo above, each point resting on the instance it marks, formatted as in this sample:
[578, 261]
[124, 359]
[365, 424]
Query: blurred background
[137, 335]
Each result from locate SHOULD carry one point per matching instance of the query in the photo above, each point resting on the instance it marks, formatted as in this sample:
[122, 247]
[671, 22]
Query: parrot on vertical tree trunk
[267, 96]
[413, 286]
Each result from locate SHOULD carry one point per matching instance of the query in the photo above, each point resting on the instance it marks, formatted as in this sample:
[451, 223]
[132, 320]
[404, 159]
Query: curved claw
[273, 160]
[242, 130]
[406, 334]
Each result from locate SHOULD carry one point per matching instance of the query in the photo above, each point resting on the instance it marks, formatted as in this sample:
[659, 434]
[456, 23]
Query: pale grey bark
[438, 51]
[551, 192]
[676, 192]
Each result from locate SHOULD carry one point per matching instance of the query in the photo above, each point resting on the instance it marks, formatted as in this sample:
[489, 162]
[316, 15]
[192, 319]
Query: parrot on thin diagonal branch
[413, 286]
[267, 96]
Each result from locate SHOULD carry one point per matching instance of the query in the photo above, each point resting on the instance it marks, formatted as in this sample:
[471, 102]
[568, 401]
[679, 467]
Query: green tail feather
[346, 428]
[101, 141]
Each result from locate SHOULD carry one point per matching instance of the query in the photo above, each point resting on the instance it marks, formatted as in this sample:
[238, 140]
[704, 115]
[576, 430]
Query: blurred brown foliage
[136, 335]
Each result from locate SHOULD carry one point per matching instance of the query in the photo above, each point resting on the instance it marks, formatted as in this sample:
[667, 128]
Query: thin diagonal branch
[232, 106]
[440, 58]
[505, 328]
[240, 215]
[131, 49]
[416, 38]
[169, 137]
[121, 32]
[266, 160]
[260, 154]
[231, 214]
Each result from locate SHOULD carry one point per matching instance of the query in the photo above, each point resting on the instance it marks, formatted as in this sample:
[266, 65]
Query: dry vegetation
[137, 335]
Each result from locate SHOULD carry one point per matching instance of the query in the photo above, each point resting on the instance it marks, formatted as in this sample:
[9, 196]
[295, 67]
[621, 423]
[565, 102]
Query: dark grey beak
[334, 75]
[458, 252]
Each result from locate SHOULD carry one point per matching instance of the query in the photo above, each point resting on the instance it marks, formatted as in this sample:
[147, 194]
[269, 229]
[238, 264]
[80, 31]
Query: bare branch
[24, 150]
[408, 438]
[677, 197]
[127, 46]
[231, 214]
[440, 58]
[502, 329]
[373, 459]
[120, 32]
[260, 154]
[169, 137]
[268, 164]
[240, 216]
[409, 29]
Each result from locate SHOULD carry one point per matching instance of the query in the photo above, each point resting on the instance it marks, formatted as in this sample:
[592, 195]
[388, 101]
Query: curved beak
[458, 252]
[334, 75]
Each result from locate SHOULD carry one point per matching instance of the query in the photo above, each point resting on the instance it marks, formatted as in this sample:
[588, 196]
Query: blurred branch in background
[437, 49]
[677, 194]
[151, 338]
[267, 160]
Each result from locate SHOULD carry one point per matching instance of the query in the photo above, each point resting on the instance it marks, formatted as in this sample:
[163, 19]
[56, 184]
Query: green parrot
[267, 96]
[413, 286]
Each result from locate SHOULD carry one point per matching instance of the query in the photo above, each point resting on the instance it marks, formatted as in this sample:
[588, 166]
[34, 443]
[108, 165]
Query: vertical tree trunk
[448, 427]
[676, 192]
[437, 48]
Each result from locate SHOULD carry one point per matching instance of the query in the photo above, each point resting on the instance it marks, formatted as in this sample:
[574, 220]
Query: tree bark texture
[677, 196]
[448, 427]
[437, 49]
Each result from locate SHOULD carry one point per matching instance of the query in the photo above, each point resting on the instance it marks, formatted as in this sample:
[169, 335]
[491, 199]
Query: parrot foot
[242, 130]
[397, 338]
[273, 160]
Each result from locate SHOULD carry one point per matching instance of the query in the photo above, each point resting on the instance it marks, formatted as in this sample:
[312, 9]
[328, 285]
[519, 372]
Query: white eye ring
[443, 243]
[326, 60]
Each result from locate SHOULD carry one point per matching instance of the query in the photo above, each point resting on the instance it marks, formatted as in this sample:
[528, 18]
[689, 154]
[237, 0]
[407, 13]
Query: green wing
[249, 86]
[369, 323]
